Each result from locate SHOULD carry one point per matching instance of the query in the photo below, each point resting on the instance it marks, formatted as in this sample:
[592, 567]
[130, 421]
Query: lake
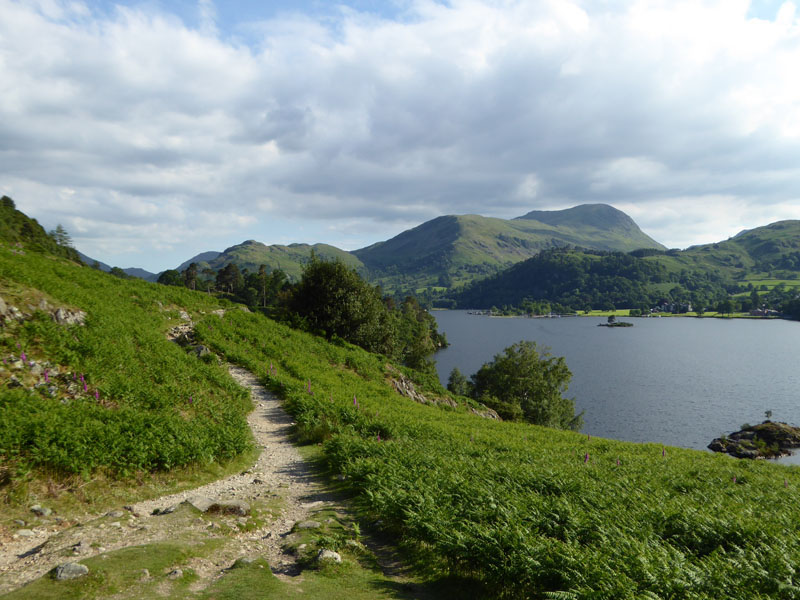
[674, 381]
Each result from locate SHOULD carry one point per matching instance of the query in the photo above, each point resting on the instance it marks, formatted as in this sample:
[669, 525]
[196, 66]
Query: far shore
[625, 312]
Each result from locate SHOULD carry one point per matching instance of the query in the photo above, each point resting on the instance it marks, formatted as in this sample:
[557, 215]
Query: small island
[769, 439]
[612, 322]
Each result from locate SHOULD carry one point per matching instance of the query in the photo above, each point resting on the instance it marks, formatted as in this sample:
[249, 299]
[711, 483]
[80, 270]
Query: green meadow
[504, 510]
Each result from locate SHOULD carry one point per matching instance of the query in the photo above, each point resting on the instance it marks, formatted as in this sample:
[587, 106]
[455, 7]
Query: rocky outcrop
[769, 439]
[405, 387]
[60, 314]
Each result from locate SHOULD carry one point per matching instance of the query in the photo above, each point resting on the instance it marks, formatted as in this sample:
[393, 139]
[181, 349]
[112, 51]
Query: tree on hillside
[190, 276]
[170, 277]
[334, 300]
[457, 383]
[230, 279]
[60, 236]
[524, 383]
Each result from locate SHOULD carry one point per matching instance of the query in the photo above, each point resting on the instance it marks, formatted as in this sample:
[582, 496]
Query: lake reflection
[675, 381]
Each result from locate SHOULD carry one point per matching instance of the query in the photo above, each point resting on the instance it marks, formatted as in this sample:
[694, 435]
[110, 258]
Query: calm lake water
[675, 381]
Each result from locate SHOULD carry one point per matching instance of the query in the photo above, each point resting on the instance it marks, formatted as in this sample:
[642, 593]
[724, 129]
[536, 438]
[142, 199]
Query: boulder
[70, 570]
[41, 511]
[308, 525]
[201, 503]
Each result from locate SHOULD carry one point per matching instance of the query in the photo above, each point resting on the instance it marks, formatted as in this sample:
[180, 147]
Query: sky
[156, 130]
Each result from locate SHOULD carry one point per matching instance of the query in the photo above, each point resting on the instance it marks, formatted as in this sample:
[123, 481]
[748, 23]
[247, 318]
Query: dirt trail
[279, 476]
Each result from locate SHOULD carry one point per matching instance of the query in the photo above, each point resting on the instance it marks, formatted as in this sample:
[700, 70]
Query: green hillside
[701, 276]
[251, 255]
[455, 250]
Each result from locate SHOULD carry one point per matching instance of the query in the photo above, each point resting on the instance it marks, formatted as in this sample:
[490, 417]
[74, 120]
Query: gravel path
[279, 476]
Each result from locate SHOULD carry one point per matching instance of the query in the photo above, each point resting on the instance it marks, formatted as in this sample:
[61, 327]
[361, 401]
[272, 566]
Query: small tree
[61, 237]
[190, 276]
[457, 383]
[525, 383]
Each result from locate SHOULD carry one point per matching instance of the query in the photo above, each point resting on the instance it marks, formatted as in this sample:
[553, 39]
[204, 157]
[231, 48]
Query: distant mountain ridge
[450, 250]
[457, 249]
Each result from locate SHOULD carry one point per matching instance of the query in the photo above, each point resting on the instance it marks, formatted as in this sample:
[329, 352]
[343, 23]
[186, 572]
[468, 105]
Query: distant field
[771, 283]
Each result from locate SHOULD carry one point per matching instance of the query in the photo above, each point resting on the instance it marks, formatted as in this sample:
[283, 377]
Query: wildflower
[379, 436]
[588, 437]
[617, 462]
[96, 395]
[23, 357]
[46, 378]
[734, 479]
[663, 452]
[586, 458]
[190, 400]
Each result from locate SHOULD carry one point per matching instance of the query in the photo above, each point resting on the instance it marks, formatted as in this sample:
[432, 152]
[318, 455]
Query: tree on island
[524, 383]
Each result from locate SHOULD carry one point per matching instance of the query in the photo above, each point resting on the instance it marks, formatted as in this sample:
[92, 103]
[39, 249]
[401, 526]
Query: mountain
[132, 271]
[141, 274]
[202, 258]
[89, 261]
[456, 249]
[251, 255]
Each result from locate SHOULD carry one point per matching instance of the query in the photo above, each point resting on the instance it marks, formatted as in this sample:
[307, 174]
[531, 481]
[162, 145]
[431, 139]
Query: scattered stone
[80, 548]
[175, 574]
[185, 316]
[329, 556]
[19, 522]
[62, 316]
[70, 570]
[354, 544]
[213, 525]
[308, 525]
[144, 575]
[201, 350]
[165, 511]
[115, 514]
[116, 524]
[25, 533]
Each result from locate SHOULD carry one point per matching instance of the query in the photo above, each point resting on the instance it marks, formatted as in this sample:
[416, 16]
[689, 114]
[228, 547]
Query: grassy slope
[521, 510]
[146, 405]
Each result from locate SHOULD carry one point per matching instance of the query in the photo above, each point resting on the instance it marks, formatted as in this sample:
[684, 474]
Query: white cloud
[357, 122]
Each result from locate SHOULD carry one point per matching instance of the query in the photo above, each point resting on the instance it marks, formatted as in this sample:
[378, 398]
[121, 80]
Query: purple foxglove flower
[96, 395]
[663, 452]
[617, 462]
[23, 357]
[734, 479]
[586, 458]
